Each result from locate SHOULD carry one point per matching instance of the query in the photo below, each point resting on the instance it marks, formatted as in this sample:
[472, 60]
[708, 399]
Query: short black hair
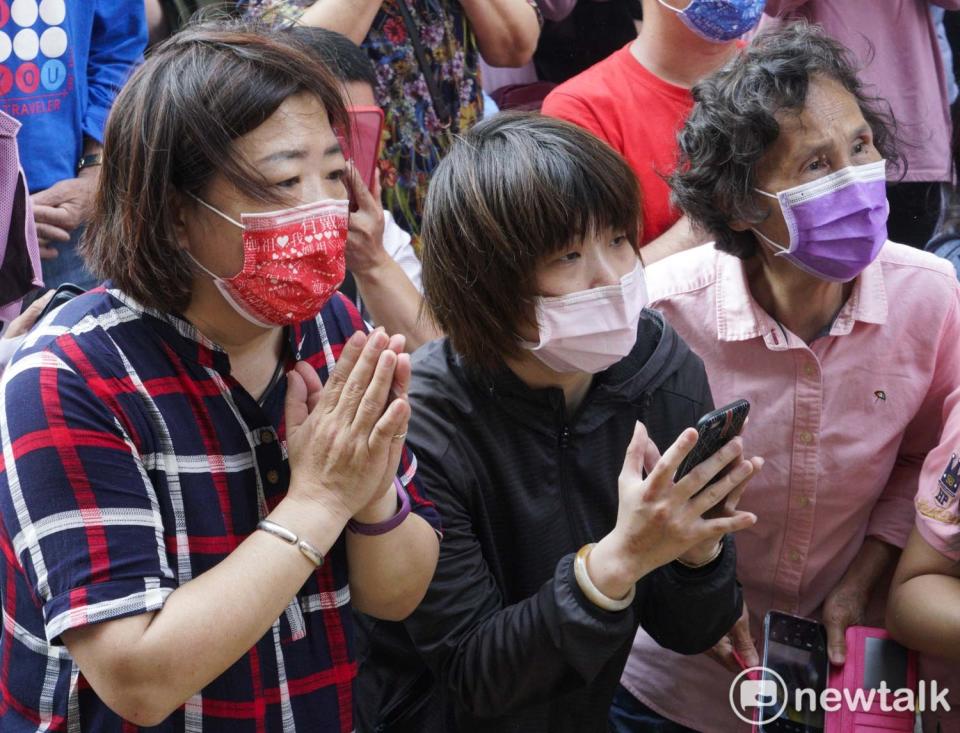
[733, 123]
[348, 62]
[513, 190]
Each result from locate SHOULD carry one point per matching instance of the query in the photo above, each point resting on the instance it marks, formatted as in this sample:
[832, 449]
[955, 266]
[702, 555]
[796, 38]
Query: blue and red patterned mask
[720, 20]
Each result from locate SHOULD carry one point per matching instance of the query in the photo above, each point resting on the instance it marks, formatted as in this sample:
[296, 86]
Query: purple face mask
[837, 224]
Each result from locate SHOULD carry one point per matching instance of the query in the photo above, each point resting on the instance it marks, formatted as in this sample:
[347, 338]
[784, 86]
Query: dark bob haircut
[733, 123]
[172, 129]
[347, 61]
[513, 190]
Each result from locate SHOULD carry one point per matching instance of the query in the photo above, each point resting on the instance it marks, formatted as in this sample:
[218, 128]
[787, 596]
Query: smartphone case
[714, 430]
[850, 677]
[363, 145]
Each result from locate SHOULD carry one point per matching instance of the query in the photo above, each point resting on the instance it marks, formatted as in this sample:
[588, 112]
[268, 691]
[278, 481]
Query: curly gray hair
[733, 123]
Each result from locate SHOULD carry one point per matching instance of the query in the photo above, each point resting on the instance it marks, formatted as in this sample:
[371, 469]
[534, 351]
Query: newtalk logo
[759, 695]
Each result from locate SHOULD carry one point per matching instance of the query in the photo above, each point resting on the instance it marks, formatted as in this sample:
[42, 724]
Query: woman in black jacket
[552, 383]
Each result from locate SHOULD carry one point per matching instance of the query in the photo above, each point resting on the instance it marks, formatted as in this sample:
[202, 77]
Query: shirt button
[806, 437]
[273, 477]
[810, 370]
[266, 436]
[804, 502]
[794, 556]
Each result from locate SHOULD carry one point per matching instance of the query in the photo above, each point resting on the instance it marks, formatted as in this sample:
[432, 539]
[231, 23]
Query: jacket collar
[654, 357]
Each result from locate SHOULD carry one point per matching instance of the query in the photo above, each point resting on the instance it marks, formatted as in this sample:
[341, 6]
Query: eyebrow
[296, 154]
[825, 143]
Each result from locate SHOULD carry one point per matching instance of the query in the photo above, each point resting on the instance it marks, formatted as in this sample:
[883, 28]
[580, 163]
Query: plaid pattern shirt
[133, 462]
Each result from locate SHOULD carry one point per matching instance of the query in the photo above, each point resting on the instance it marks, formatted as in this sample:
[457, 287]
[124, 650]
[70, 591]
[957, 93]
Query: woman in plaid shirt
[152, 426]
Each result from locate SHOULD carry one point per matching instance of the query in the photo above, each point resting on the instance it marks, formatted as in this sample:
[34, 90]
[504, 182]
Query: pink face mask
[590, 330]
[293, 262]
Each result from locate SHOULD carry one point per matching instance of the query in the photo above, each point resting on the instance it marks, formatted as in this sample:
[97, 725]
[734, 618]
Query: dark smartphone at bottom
[714, 430]
[67, 291]
[796, 649]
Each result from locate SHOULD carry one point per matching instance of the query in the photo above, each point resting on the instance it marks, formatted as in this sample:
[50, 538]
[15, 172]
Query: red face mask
[293, 262]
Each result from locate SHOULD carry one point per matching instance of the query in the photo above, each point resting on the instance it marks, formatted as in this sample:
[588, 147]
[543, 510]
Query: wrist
[372, 269]
[314, 517]
[702, 554]
[380, 509]
[609, 569]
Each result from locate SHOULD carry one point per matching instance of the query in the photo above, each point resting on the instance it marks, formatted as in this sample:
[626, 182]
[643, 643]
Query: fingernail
[742, 472]
[380, 339]
[356, 339]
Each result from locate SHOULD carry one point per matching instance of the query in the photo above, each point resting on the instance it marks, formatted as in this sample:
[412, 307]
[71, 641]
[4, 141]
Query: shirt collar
[188, 341]
[740, 317]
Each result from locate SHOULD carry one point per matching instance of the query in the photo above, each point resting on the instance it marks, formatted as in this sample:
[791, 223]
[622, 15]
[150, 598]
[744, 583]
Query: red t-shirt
[636, 113]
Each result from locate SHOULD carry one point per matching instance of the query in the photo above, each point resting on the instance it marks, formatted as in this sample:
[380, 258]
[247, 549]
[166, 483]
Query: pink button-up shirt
[843, 423]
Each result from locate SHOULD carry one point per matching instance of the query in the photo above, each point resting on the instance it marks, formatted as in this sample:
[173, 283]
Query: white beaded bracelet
[591, 591]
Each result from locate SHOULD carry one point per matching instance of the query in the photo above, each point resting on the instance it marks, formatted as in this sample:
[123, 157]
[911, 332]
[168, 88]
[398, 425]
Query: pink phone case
[363, 147]
[850, 677]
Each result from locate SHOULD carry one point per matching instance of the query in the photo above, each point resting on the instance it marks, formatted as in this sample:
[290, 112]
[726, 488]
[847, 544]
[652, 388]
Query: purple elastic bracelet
[403, 499]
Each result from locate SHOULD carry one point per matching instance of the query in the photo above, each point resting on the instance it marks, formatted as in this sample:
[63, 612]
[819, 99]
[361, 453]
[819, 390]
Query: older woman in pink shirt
[845, 344]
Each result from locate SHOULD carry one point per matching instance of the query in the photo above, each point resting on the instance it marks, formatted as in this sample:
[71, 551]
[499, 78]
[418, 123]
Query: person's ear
[739, 225]
[179, 210]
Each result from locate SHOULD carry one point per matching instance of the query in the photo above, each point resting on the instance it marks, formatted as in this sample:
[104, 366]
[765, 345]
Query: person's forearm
[389, 573]
[689, 610]
[352, 18]
[394, 303]
[507, 30]
[918, 623]
[162, 659]
[679, 237]
[875, 559]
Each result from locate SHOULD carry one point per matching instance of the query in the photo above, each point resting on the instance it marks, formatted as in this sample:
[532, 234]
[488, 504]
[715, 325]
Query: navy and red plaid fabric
[133, 462]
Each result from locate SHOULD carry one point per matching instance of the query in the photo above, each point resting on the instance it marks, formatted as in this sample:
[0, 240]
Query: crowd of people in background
[289, 447]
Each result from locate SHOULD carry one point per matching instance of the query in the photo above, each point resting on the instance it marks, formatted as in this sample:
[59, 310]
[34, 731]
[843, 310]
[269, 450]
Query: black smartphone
[67, 291]
[714, 430]
[795, 669]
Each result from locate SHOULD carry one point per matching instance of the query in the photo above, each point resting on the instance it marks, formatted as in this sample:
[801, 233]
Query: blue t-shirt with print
[61, 65]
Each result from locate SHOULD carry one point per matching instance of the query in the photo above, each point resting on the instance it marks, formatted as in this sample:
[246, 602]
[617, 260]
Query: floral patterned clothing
[414, 140]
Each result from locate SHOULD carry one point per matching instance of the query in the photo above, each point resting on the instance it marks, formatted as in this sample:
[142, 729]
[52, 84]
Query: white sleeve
[7, 347]
[399, 246]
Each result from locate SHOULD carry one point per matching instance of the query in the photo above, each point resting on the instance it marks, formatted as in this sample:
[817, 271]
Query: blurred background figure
[896, 44]
[427, 59]
[575, 36]
[58, 78]
[19, 252]
[383, 271]
[638, 98]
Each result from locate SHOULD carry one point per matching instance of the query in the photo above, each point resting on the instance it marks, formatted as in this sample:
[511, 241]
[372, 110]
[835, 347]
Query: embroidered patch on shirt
[947, 485]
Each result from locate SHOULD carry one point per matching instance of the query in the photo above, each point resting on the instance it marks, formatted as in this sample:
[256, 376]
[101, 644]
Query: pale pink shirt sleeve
[938, 515]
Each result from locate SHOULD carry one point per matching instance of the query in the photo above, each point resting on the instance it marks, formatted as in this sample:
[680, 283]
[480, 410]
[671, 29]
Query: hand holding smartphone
[714, 430]
[362, 146]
